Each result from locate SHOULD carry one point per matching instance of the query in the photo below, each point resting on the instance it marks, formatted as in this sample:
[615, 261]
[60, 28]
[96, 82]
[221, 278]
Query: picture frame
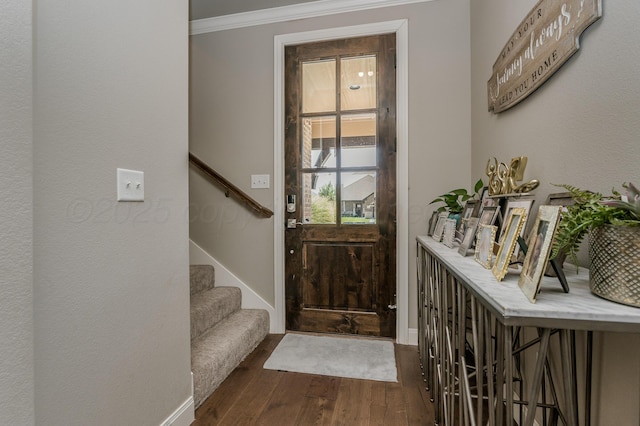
[489, 215]
[486, 200]
[560, 199]
[484, 244]
[517, 219]
[565, 200]
[437, 232]
[460, 229]
[470, 207]
[432, 223]
[468, 240]
[448, 233]
[539, 248]
[525, 204]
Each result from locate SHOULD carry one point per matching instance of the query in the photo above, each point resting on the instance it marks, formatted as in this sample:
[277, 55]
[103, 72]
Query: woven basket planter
[614, 272]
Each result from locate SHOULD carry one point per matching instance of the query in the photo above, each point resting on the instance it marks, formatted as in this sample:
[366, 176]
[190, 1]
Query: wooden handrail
[230, 189]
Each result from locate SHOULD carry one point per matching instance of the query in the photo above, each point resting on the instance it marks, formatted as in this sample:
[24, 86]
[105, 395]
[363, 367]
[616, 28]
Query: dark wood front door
[340, 186]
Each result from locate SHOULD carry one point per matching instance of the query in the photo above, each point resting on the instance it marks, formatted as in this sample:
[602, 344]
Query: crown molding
[288, 13]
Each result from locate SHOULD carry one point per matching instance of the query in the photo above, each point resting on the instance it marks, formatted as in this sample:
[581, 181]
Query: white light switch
[259, 181]
[130, 185]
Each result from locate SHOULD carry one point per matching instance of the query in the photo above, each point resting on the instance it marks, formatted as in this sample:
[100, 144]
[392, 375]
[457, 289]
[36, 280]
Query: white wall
[111, 295]
[581, 128]
[16, 191]
[231, 128]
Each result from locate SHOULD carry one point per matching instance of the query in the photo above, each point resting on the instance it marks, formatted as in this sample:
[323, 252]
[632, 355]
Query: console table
[476, 333]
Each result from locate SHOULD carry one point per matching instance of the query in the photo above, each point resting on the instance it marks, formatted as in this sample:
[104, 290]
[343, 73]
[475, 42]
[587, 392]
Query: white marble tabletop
[579, 309]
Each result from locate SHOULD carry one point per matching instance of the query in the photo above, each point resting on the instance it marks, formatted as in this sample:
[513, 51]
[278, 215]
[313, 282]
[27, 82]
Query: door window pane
[319, 86]
[319, 198]
[319, 142]
[358, 140]
[358, 83]
[358, 198]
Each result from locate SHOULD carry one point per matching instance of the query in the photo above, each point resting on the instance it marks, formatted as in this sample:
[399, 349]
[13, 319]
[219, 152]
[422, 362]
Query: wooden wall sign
[543, 41]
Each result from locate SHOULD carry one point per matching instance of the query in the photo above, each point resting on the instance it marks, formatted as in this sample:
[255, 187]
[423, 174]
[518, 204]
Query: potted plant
[454, 199]
[613, 226]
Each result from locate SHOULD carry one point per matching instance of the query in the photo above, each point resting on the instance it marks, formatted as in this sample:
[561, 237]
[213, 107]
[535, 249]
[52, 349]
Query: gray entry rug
[354, 358]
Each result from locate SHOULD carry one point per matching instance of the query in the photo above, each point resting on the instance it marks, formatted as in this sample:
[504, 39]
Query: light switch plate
[259, 181]
[130, 185]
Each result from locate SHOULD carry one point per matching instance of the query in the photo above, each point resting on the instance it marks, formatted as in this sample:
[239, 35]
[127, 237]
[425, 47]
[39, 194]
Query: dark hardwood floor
[252, 395]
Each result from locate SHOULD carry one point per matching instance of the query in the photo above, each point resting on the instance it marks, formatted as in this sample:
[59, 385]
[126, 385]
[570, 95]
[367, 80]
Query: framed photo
[484, 244]
[468, 240]
[432, 223]
[470, 210]
[486, 201]
[489, 215]
[449, 232]
[437, 232]
[560, 199]
[535, 262]
[513, 227]
[563, 199]
[516, 204]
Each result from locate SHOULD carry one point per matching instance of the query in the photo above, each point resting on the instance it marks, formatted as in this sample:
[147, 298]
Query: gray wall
[16, 192]
[580, 128]
[231, 128]
[111, 293]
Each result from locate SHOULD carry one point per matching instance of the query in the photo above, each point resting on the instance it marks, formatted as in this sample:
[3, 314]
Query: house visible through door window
[339, 179]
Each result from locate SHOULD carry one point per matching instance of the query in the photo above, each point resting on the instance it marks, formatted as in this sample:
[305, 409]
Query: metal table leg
[536, 380]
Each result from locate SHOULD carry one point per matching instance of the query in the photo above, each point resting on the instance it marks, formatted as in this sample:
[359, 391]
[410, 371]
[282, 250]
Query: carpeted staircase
[222, 334]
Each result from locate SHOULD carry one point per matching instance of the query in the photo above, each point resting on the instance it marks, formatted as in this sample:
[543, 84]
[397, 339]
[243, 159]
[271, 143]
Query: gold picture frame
[517, 219]
[525, 203]
[484, 244]
[539, 248]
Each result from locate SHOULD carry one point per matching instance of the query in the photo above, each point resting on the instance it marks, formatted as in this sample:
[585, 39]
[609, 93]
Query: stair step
[209, 307]
[217, 352]
[202, 277]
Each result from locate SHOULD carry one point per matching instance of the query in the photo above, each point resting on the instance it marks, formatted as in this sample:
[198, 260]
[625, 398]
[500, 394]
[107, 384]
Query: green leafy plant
[592, 209]
[454, 199]
[328, 191]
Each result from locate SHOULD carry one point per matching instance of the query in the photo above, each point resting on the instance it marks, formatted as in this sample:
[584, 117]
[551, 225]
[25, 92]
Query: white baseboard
[183, 416]
[412, 337]
[224, 277]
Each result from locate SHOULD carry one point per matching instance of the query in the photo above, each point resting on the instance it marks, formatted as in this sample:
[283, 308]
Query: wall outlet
[259, 181]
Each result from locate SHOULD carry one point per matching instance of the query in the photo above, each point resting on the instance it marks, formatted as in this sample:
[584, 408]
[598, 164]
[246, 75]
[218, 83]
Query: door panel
[340, 164]
[338, 276]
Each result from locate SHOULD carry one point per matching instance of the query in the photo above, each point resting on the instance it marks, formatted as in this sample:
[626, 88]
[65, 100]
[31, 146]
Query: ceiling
[201, 9]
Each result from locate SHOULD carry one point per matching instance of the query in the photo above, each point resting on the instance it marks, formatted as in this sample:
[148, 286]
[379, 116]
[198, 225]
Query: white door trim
[400, 27]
